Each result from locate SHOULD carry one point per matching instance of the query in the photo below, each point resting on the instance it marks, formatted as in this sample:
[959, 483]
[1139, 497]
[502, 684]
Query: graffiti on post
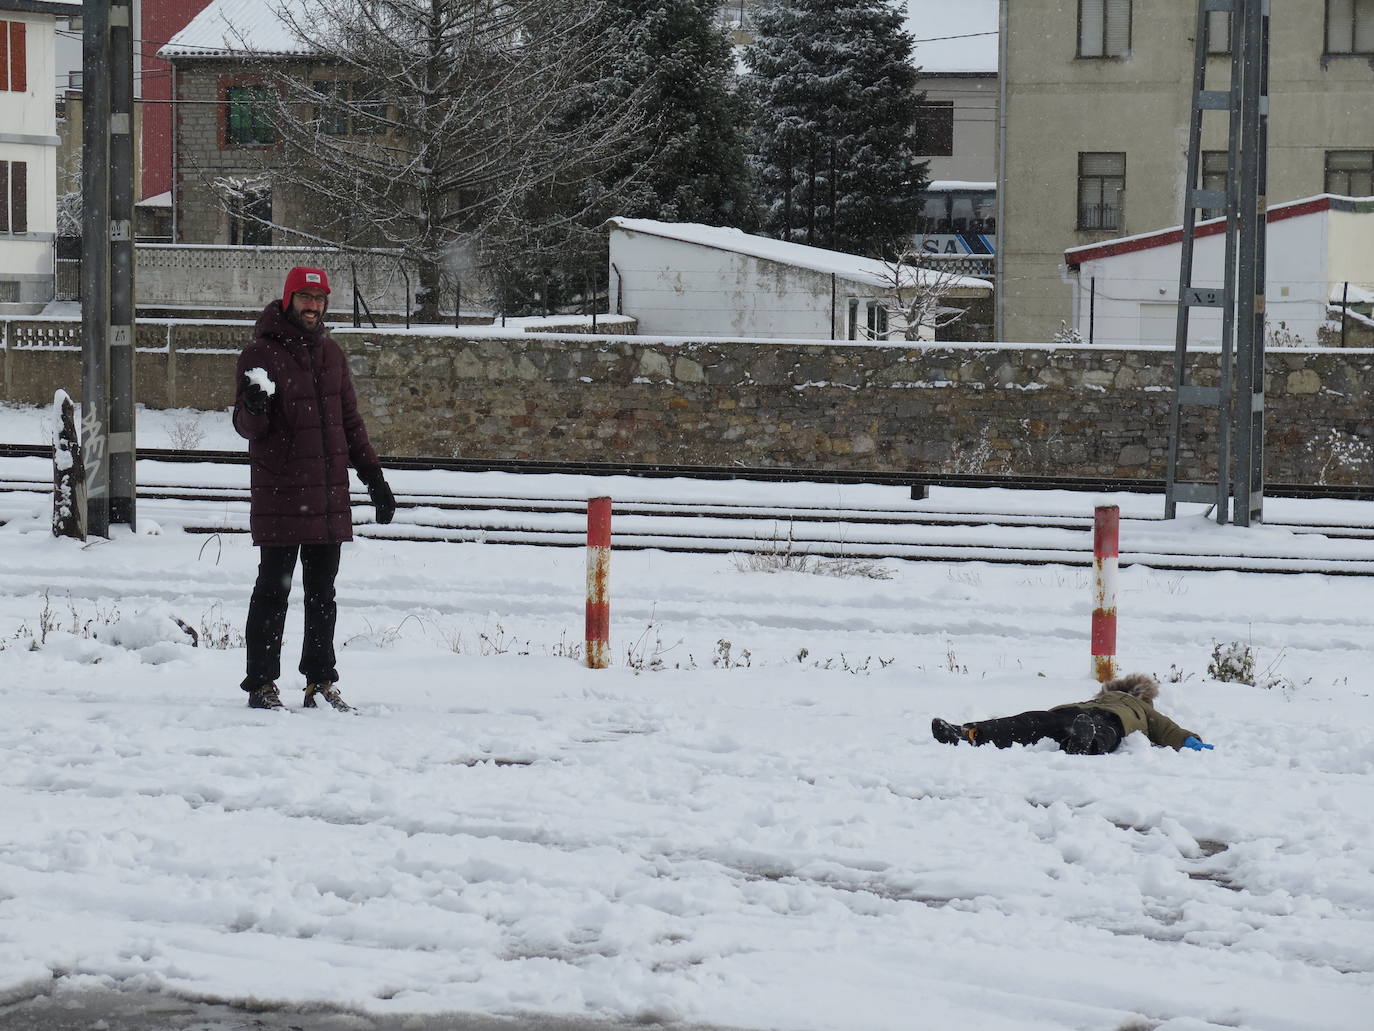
[93, 450]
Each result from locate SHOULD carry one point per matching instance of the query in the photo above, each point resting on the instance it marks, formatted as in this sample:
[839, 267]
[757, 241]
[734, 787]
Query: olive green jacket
[1137, 714]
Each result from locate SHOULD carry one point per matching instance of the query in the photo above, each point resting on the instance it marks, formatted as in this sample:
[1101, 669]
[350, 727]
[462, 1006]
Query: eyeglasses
[309, 296]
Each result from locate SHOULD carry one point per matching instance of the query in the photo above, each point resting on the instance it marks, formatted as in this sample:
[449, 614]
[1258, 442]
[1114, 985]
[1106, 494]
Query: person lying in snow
[1094, 727]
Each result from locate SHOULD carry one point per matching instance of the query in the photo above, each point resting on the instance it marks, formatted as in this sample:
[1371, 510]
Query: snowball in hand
[259, 376]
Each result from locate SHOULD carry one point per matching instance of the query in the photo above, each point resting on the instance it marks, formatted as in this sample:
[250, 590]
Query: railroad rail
[781, 474]
[965, 528]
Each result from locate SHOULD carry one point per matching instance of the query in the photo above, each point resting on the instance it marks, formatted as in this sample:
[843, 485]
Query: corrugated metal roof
[61, 8]
[229, 27]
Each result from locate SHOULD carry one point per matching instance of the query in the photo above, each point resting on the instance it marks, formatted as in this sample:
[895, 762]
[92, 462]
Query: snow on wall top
[227, 27]
[850, 267]
[953, 37]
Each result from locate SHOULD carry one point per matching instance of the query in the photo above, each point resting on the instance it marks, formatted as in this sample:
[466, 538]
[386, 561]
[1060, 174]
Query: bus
[958, 217]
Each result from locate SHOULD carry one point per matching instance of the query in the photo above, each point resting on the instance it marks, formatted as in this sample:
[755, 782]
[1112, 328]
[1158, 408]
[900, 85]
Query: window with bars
[1350, 26]
[14, 64]
[248, 115]
[1104, 28]
[14, 197]
[1101, 190]
[1350, 173]
[1212, 175]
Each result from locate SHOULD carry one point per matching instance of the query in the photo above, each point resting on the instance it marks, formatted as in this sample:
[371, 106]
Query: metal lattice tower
[1238, 394]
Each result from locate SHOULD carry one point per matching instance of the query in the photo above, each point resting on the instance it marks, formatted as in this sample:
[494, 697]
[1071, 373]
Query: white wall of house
[1060, 104]
[28, 134]
[683, 289]
[1131, 298]
[684, 279]
[1350, 246]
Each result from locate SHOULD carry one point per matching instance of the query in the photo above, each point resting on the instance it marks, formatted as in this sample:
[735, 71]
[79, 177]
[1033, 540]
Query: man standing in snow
[296, 406]
[1094, 727]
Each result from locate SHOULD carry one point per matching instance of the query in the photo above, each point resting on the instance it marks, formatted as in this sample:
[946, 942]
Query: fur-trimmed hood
[1138, 685]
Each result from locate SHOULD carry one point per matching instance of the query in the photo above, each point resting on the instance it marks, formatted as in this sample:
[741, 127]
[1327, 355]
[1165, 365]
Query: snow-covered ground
[744, 822]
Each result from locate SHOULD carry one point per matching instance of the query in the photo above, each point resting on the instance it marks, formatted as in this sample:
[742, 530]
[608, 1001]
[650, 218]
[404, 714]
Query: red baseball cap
[300, 278]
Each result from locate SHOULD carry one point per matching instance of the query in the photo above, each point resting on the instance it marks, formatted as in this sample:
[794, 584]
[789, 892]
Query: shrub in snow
[1232, 663]
[186, 434]
[1067, 334]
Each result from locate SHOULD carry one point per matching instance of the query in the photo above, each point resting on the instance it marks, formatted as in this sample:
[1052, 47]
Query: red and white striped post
[1106, 551]
[598, 583]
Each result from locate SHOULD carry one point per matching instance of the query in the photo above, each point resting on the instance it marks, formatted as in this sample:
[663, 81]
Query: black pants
[267, 613]
[1026, 728]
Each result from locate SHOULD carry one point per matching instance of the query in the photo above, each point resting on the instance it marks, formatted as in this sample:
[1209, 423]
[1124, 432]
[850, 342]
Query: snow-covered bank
[744, 821]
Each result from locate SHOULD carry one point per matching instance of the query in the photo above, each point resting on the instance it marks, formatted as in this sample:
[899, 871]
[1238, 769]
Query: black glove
[380, 493]
[255, 398]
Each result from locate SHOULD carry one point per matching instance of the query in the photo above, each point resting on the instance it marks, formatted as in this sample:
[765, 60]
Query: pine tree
[678, 59]
[833, 137]
[675, 64]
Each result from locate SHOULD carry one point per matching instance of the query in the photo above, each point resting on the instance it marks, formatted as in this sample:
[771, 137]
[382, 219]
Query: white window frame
[867, 319]
[1110, 190]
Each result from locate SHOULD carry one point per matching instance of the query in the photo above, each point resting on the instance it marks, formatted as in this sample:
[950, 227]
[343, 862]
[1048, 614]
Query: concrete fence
[484, 393]
[221, 277]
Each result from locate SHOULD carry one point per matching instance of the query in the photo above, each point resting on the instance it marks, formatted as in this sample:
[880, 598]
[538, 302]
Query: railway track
[460, 509]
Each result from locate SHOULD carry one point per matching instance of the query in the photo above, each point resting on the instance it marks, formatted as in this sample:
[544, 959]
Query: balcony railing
[1099, 217]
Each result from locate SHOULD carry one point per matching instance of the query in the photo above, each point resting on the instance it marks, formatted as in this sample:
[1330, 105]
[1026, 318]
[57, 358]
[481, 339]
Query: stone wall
[928, 408]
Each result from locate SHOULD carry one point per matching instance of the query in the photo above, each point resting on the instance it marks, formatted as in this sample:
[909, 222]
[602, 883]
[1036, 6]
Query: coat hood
[1138, 685]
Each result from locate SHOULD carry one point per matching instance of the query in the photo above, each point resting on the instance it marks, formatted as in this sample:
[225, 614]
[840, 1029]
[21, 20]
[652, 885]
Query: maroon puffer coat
[300, 451]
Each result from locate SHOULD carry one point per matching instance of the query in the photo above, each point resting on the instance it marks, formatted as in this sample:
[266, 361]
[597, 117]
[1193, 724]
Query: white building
[28, 151]
[1125, 291]
[683, 279]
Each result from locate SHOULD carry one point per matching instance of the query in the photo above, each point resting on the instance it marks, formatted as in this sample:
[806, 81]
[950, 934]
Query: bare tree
[422, 124]
[915, 288]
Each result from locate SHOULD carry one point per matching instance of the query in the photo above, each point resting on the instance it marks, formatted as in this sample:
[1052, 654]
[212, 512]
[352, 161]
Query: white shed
[684, 279]
[1316, 251]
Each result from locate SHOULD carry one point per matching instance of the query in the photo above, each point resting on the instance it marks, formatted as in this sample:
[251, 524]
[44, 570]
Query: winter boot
[1079, 739]
[952, 733]
[264, 696]
[329, 693]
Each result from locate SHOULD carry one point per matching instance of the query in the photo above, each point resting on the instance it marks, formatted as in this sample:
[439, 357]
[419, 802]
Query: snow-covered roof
[228, 27]
[1174, 234]
[851, 267]
[157, 200]
[61, 8]
[1351, 293]
[954, 37]
[950, 37]
[959, 185]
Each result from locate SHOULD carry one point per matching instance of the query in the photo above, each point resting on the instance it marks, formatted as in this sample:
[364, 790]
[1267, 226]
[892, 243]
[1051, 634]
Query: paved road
[104, 1010]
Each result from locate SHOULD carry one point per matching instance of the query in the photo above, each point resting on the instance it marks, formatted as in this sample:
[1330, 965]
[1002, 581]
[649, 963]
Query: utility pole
[107, 265]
